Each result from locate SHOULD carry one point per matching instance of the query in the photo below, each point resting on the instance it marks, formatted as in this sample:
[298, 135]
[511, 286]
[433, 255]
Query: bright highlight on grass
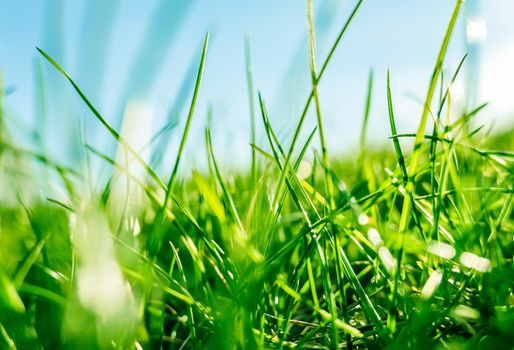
[476, 30]
[431, 285]
[475, 262]
[442, 250]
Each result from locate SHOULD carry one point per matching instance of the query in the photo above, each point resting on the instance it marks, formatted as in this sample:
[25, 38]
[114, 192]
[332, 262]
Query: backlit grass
[408, 246]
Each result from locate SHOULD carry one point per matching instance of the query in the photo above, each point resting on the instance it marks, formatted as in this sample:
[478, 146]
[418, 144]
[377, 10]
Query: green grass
[407, 246]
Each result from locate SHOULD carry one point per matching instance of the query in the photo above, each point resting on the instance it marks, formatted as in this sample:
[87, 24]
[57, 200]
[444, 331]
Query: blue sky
[99, 43]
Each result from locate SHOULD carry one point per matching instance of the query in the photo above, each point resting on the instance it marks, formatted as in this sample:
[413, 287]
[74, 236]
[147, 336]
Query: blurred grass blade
[365, 120]
[101, 119]
[9, 298]
[397, 146]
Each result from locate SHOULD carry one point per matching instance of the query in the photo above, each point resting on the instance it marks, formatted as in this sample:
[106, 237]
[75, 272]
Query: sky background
[137, 62]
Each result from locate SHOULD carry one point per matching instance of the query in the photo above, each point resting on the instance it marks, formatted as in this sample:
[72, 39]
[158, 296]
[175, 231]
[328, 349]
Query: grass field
[406, 246]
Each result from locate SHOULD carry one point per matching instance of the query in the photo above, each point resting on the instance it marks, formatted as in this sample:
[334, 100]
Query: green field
[409, 245]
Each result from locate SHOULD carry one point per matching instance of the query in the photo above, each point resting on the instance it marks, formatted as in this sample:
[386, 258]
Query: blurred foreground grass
[385, 248]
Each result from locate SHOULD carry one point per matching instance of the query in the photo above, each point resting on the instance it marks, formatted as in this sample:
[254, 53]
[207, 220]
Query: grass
[410, 248]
